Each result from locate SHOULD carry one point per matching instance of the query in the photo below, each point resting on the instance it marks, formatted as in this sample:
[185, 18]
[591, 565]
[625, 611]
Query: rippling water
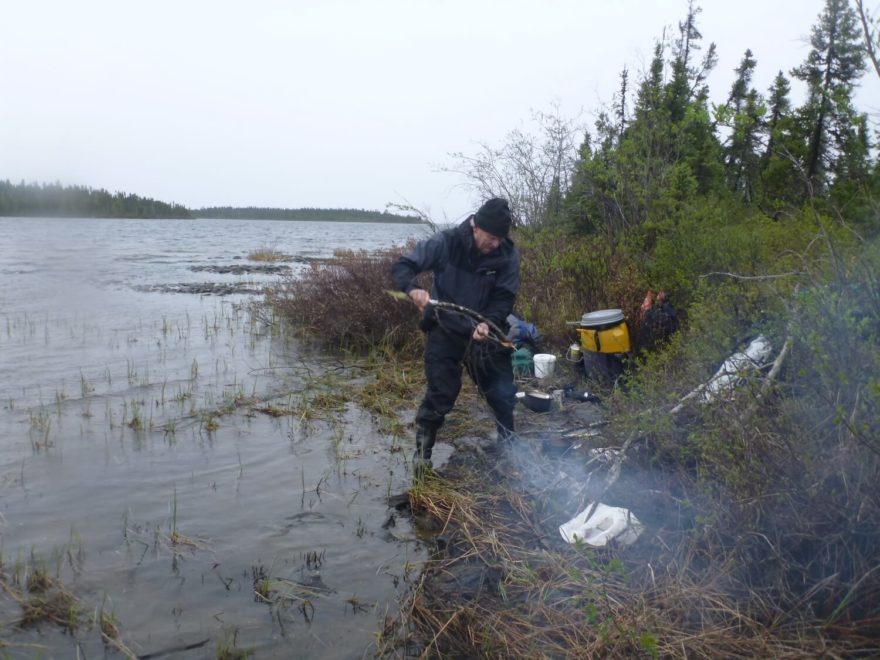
[109, 376]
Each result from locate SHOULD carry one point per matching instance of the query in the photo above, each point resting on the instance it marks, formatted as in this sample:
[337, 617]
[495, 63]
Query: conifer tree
[831, 71]
[781, 179]
[743, 113]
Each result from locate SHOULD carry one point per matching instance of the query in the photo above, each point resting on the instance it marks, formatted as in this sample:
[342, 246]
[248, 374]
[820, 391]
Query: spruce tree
[743, 113]
[831, 71]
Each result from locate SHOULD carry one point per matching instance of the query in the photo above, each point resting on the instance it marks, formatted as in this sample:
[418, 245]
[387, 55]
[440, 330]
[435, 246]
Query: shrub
[345, 303]
[780, 484]
[564, 276]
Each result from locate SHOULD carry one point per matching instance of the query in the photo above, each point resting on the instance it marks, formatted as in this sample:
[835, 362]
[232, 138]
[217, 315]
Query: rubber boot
[425, 439]
[504, 430]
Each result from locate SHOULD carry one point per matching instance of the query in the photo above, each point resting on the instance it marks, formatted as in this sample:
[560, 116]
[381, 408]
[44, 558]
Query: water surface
[112, 371]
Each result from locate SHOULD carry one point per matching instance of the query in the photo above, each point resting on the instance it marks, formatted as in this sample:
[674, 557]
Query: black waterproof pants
[489, 367]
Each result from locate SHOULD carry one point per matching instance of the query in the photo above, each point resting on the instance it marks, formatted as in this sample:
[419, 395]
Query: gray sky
[331, 103]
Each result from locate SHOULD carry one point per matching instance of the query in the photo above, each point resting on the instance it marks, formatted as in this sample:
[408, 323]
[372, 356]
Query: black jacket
[462, 275]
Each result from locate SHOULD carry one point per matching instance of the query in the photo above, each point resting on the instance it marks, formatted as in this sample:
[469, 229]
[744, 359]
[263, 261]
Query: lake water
[117, 358]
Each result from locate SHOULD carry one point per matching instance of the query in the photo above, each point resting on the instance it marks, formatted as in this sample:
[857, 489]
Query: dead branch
[775, 276]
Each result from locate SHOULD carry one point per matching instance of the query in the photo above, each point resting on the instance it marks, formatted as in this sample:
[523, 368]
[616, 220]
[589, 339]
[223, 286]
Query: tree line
[35, 200]
[55, 200]
[323, 215]
[661, 143]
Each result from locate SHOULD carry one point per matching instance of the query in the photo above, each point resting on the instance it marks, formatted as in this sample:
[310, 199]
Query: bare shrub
[345, 302]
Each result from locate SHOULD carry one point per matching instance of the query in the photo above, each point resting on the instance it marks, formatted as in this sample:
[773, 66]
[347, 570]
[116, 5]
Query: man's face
[486, 243]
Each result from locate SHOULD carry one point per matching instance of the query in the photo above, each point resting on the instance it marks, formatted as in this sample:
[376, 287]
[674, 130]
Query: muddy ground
[487, 510]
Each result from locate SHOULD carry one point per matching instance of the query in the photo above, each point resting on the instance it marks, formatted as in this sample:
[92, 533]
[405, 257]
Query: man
[475, 265]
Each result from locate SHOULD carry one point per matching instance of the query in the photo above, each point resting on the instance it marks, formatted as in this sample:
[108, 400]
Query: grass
[228, 649]
[505, 584]
[267, 254]
[43, 599]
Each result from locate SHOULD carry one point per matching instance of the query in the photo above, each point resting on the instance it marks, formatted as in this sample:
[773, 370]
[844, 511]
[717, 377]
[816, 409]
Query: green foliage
[782, 477]
[55, 200]
[564, 276]
[832, 68]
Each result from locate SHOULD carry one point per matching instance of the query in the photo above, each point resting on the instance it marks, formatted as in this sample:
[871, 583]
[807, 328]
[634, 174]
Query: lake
[125, 345]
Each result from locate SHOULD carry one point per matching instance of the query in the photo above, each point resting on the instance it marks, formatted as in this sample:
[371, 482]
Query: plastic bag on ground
[596, 527]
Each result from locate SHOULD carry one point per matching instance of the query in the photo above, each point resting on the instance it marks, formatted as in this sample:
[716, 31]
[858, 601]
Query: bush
[345, 302]
[777, 489]
[564, 276]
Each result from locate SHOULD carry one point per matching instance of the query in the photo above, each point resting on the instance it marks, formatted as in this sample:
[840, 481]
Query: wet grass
[267, 254]
[44, 599]
[503, 584]
[228, 649]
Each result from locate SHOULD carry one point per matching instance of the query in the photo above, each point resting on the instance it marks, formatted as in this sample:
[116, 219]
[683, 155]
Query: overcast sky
[331, 103]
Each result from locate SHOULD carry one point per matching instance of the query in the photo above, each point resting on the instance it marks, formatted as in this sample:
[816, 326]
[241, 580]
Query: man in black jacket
[475, 265]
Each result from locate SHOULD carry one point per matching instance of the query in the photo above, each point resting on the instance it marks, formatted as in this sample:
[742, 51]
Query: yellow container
[604, 331]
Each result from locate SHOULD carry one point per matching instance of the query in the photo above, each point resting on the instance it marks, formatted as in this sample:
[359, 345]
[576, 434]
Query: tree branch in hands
[420, 297]
[481, 332]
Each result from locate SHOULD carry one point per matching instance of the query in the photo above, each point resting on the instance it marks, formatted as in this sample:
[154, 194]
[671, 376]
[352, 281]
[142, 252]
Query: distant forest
[55, 200]
[326, 215]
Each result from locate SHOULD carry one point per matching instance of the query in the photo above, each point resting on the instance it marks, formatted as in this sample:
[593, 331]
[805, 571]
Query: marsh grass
[228, 649]
[267, 254]
[42, 596]
[286, 597]
[40, 429]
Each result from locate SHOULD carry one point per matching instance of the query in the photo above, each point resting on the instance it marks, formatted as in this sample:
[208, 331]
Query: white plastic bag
[598, 527]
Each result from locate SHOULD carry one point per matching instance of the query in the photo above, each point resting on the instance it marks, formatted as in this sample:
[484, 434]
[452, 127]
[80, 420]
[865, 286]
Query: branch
[768, 381]
[755, 277]
[501, 340]
[869, 36]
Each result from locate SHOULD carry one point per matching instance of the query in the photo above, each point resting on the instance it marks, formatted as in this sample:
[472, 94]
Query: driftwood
[724, 380]
[614, 470]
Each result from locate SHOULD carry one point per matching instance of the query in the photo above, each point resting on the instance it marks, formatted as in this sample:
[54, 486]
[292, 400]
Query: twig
[775, 276]
[769, 379]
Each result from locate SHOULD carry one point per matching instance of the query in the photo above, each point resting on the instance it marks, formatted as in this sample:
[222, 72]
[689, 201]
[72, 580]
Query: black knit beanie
[494, 217]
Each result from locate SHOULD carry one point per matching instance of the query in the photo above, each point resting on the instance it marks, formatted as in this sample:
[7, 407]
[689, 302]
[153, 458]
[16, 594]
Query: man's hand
[481, 332]
[420, 297]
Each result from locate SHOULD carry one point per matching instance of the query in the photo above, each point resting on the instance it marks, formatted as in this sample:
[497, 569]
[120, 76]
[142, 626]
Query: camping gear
[544, 364]
[574, 353]
[581, 395]
[604, 331]
[522, 333]
[535, 401]
[599, 523]
[521, 359]
[659, 320]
